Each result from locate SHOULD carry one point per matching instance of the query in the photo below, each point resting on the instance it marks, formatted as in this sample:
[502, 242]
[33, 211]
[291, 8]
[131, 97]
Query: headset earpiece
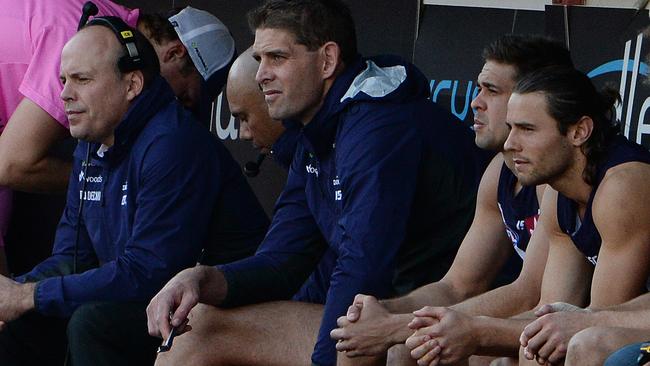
[125, 34]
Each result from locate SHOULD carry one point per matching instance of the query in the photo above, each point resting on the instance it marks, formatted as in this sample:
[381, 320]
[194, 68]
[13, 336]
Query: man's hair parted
[527, 53]
[312, 22]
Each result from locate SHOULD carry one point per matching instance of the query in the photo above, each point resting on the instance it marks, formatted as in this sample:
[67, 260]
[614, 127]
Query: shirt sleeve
[176, 189]
[289, 253]
[377, 159]
[41, 82]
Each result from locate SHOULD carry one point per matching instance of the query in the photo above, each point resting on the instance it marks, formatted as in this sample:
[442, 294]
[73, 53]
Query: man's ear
[135, 84]
[580, 132]
[331, 53]
[173, 51]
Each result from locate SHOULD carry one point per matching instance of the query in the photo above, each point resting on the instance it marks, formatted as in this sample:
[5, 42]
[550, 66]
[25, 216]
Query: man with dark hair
[506, 213]
[195, 50]
[562, 134]
[385, 175]
[146, 181]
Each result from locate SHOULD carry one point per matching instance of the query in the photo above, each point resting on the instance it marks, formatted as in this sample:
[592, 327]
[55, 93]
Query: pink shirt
[32, 34]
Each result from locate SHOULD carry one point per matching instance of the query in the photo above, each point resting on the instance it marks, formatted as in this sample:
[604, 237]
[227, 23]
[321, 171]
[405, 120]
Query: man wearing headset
[32, 118]
[148, 180]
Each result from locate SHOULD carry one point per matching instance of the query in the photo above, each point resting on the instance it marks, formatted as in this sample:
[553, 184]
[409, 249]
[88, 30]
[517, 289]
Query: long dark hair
[570, 95]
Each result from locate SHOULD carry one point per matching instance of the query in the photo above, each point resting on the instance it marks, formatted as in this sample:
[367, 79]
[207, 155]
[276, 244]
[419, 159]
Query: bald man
[148, 192]
[247, 104]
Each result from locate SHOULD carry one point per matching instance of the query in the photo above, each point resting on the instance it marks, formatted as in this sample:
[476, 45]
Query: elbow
[527, 292]
[14, 173]
[462, 290]
[9, 172]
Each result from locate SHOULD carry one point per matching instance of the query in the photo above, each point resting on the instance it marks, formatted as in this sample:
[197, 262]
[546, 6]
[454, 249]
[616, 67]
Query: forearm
[50, 175]
[637, 319]
[502, 302]
[268, 276]
[498, 337]
[434, 294]
[213, 286]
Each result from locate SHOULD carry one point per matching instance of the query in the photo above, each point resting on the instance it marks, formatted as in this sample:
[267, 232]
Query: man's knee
[86, 320]
[343, 360]
[588, 347]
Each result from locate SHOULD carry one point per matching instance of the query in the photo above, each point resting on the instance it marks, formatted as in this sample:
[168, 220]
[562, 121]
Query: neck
[109, 141]
[571, 183]
[327, 85]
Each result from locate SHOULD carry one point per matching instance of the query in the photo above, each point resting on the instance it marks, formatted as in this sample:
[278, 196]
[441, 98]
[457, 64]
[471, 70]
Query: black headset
[125, 35]
[129, 62]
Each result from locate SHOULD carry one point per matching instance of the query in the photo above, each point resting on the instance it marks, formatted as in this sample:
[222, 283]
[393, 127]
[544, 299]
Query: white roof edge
[529, 4]
[500, 4]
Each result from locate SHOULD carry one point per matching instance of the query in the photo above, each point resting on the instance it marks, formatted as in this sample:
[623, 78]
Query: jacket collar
[143, 108]
[320, 133]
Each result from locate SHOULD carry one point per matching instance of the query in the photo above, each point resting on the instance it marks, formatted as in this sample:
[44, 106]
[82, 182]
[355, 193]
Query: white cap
[206, 38]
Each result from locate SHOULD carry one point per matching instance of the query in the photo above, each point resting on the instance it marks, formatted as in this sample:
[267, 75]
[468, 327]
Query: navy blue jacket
[148, 202]
[386, 176]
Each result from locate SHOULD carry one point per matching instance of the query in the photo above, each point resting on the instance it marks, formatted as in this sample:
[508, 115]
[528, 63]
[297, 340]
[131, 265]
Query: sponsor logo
[311, 170]
[97, 179]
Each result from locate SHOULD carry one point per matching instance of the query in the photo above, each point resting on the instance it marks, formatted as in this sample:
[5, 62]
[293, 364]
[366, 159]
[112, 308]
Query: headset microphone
[252, 168]
[89, 9]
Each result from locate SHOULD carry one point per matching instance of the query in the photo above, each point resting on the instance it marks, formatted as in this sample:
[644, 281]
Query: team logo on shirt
[528, 223]
[593, 260]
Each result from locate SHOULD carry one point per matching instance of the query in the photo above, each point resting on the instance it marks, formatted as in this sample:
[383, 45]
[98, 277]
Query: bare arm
[566, 278]
[621, 209]
[24, 147]
[522, 294]
[480, 257]
[369, 328]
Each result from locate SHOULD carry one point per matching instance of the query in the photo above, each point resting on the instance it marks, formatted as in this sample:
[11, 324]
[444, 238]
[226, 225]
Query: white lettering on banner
[230, 132]
[123, 200]
[97, 179]
[641, 127]
[90, 196]
[338, 195]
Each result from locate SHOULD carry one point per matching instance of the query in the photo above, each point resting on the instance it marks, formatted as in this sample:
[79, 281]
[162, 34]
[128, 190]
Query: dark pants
[97, 334]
